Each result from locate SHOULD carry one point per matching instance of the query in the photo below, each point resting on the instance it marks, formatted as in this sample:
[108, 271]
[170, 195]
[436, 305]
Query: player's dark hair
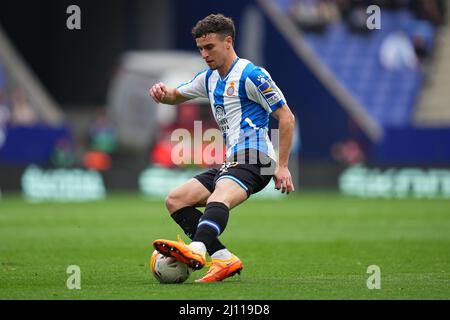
[214, 23]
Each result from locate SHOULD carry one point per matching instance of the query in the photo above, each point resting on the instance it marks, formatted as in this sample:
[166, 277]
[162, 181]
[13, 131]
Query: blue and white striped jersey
[241, 103]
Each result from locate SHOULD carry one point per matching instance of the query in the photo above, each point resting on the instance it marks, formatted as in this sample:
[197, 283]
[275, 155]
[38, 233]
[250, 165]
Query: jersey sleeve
[262, 89]
[195, 88]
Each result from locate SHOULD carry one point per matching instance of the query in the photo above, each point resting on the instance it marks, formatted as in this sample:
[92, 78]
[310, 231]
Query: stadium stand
[31, 123]
[398, 73]
[388, 94]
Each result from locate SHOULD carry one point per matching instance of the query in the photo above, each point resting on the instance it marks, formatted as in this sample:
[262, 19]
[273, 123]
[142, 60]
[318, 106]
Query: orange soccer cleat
[221, 269]
[180, 251]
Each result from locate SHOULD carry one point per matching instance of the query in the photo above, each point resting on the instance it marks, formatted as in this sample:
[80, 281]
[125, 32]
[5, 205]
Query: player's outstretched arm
[167, 95]
[286, 124]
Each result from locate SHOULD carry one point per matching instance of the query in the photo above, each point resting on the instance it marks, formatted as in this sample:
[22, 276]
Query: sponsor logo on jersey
[221, 118]
[269, 92]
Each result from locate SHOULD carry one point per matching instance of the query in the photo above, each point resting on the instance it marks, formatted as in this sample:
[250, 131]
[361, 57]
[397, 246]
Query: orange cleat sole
[179, 251]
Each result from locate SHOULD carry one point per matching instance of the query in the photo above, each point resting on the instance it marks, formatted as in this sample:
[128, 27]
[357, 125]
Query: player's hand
[158, 92]
[283, 180]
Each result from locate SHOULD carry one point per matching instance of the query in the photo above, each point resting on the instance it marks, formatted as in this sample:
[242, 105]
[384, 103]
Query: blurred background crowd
[78, 98]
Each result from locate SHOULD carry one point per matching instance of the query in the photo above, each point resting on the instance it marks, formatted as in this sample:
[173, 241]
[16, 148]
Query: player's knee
[172, 202]
[218, 198]
[176, 200]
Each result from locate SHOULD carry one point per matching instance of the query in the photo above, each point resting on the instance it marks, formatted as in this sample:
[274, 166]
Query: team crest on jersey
[230, 89]
[269, 92]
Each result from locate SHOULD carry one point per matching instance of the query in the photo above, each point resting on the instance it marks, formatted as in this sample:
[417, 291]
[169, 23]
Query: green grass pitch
[306, 246]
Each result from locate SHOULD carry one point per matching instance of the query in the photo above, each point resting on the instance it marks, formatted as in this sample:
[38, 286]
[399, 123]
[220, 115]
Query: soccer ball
[168, 269]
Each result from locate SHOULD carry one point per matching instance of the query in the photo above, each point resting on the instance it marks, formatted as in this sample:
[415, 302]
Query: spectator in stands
[431, 10]
[22, 112]
[393, 4]
[314, 15]
[63, 155]
[4, 117]
[420, 47]
[102, 133]
[4, 109]
[2, 77]
[5, 114]
[422, 35]
[348, 152]
[355, 15]
[397, 52]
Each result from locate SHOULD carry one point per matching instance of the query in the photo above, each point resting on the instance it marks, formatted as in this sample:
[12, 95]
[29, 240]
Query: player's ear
[229, 41]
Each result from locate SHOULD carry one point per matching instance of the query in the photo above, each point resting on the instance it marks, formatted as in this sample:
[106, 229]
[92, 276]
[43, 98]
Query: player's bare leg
[190, 194]
[228, 192]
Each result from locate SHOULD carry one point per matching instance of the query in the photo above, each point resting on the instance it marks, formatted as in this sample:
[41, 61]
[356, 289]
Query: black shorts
[251, 176]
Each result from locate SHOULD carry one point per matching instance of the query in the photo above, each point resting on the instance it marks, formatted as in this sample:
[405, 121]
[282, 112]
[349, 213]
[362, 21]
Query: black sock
[187, 218]
[212, 223]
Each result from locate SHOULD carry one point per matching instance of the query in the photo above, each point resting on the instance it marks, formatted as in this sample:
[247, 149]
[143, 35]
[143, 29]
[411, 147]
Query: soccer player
[242, 96]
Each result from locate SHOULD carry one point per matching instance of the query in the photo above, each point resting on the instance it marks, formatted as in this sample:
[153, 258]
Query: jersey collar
[228, 73]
